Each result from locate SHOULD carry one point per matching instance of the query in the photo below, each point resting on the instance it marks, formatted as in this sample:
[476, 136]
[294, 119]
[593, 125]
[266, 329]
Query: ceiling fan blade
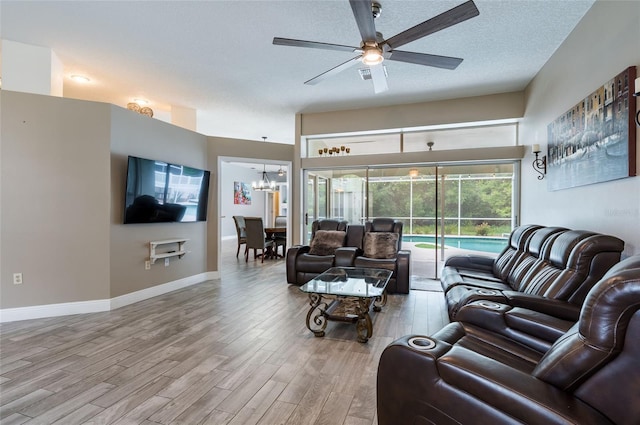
[333, 71]
[314, 45]
[364, 18]
[451, 17]
[446, 62]
[379, 78]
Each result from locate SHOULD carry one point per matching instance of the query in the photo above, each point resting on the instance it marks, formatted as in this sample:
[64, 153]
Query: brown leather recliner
[302, 265]
[465, 374]
[559, 266]
[470, 269]
[395, 259]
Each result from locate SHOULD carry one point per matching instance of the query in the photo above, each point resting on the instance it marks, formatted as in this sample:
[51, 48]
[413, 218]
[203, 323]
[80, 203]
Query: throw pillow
[325, 242]
[380, 245]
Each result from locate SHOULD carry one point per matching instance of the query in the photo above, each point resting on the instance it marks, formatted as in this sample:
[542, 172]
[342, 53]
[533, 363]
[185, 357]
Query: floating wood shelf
[153, 256]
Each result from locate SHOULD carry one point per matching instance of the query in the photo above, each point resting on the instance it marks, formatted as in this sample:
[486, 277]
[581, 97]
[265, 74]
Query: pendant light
[264, 185]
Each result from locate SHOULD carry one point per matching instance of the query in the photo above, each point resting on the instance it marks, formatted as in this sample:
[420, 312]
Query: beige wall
[138, 135]
[604, 43]
[55, 200]
[62, 182]
[470, 109]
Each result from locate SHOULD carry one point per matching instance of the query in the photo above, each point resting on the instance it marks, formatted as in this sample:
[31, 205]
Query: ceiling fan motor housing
[376, 8]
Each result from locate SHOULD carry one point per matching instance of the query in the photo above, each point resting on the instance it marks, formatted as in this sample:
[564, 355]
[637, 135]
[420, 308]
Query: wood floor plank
[62, 409]
[335, 409]
[234, 350]
[192, 377]
[351, 420]
[132, 385]
[110, 363]
[202, 410]
[80, 415]
[278, 413]
[16, 388]
[250, 386]
[18, 354]
[40, 407]
[183, 401]
[15, 419]
[27, 400]
[218, 417]
[256, 407]
[309, 408]
[127, 404]
[143, 411]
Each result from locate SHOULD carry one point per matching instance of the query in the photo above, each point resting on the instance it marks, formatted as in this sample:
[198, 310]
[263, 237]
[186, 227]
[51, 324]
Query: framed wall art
[241, 193]
[595, 141]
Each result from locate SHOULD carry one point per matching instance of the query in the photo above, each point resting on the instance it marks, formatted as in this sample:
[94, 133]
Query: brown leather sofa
[553, 272]
[468, 374]
[358, 250]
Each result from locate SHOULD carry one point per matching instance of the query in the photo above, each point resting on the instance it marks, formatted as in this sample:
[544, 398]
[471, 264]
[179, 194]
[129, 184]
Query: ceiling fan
[374, 49]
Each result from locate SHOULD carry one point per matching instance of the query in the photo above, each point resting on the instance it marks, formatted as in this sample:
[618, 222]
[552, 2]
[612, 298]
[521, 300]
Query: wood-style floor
[229, 351]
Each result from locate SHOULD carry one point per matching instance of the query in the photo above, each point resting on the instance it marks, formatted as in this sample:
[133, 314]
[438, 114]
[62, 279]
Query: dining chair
[281, 237]
[240, 230]
[256, 238]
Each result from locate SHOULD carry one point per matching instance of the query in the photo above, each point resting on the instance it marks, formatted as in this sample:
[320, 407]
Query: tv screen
[160, 192]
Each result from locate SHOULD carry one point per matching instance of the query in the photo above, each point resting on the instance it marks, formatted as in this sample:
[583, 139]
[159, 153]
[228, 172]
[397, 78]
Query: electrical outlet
[147, 265]
[17, 278]
[166, 262]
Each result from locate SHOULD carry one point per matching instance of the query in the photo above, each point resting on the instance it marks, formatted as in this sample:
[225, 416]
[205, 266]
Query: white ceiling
[217, 56]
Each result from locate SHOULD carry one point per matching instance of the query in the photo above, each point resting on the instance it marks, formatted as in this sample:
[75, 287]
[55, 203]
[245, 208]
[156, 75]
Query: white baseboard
[53, 310]
[96, 306]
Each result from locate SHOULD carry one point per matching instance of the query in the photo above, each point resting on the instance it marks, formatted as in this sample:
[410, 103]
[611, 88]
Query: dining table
[272, 232]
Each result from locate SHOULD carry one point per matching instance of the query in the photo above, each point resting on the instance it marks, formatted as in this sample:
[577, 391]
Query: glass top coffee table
[346, 294]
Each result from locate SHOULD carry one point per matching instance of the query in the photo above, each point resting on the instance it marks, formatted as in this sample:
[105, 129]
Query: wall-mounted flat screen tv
[160, 192]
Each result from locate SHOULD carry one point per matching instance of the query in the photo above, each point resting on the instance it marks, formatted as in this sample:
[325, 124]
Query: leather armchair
[465, 374]
[301, 265]
[400, 262]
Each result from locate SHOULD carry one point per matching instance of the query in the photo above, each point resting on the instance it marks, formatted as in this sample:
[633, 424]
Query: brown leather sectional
[543, 265]
[557, 342]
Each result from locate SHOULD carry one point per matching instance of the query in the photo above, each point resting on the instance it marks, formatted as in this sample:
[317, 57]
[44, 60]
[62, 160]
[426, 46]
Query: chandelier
[264, 184]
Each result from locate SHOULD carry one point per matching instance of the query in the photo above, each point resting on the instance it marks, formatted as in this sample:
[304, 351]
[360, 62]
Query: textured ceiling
[217, 56]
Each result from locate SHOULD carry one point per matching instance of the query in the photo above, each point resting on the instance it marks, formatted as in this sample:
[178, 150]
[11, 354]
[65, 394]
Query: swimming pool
[475, 243]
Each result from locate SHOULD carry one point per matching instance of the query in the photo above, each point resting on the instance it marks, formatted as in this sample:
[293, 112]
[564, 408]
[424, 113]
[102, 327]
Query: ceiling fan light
[372, 56]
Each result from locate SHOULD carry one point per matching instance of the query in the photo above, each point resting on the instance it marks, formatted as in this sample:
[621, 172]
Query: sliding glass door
[315, 200]
[446, 209]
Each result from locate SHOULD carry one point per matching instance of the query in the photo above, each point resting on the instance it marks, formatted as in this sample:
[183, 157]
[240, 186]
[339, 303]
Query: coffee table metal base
[343, 309]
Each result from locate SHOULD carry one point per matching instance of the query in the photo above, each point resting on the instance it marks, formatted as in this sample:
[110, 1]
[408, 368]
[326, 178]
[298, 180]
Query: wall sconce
[539, 164]
[637, 94]
[430, 144]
